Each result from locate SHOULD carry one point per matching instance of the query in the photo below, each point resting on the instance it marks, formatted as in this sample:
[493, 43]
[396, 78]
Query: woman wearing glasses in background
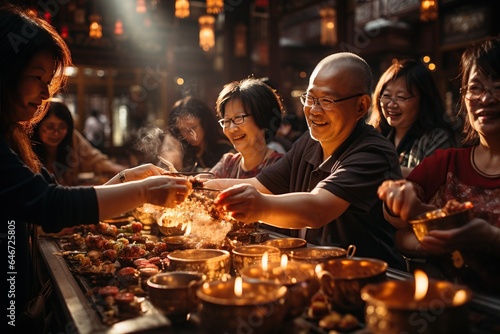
[65, 152]
[407, 109]
[251, 113]
[471, 174]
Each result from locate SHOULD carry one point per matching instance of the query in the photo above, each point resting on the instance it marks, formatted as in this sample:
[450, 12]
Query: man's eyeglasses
[325, 103]
[476, 91]
[385, 99]
[236, 120]
[53, 129]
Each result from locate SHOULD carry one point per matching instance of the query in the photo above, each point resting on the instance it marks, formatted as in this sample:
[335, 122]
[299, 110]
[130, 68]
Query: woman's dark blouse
[29, 198]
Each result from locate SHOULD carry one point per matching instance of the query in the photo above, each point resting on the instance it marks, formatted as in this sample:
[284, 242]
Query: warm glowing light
[238, 287]
[265, 261]
[421, 284]
[459, 298]
[181, 8]
[318, 269]
[47, 17]
[95, 30]
[215, 6]
[207, 35]
[140, 6]
[70, 71]
[64, 32]
[188, 229]
[428, 10]
[180, 81]
[118, 27]
[328, 35]
[303, 74]
[284, 261]
[432, 67]
[426, 59]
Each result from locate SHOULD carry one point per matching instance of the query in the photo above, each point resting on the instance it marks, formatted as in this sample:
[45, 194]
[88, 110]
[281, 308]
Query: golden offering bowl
[391, 308]
[214, 263]
[299, 277]
[439, 220]
[174, 293]
[248, 255]
[343, 279]
[259, 309]
[321, 254]
[285, 245]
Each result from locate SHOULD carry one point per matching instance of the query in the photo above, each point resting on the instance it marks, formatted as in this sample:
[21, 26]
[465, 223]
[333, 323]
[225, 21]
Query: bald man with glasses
[326, 185]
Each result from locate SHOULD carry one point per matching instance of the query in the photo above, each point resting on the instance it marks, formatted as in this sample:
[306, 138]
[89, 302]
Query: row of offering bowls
[200, 281]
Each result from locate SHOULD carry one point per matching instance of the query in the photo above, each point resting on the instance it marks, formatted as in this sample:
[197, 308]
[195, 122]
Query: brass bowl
[391, 308]
[321, 254]
[439, 220]
[299, 277]
[174, 293]
[248, 255]
[286, 244]
[260, 309]
[214, 263]
[343, 279]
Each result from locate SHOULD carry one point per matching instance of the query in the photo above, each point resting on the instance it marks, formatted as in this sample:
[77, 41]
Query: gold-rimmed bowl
[286, 245]
[174, 293]
[214, 263]
[440, 220]
[260, 309]
[248, 255]
[321, 254]
[343, 279]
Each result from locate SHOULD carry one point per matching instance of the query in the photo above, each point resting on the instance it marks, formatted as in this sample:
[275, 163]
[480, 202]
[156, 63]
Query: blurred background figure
[251, 114]
[66, 153]
[195, 142]
[96, 129]
[407, 109]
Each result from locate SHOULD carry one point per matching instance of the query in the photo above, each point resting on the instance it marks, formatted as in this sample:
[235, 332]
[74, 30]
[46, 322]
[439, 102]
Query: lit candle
[284, 262]
[225, 305]
[238, 287]
[421, 285]
[401, 306]
[265, 264]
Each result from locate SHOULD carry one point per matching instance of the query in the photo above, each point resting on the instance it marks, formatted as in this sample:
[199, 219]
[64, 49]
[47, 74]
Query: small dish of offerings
[453, 215]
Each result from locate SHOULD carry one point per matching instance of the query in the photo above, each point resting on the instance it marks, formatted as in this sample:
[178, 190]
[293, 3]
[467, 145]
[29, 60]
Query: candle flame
[459, 298]
[318, 269]
[238, 287]
[421, 284]
[284, 261]
[265, 260]
[188, 229]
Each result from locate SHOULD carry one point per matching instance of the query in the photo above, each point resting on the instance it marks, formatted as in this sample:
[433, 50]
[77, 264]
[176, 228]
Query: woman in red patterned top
[251, 113]
[471, 174]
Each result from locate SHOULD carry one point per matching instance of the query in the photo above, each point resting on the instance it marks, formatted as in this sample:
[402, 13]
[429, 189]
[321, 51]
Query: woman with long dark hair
[407, 109]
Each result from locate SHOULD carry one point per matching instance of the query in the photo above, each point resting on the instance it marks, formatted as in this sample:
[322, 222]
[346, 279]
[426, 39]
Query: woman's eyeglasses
[385, 99]
[236, 120]
[476, 91]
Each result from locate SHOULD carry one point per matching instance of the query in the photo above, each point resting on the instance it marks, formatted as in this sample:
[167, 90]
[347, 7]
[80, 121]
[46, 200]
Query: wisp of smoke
[149, 142]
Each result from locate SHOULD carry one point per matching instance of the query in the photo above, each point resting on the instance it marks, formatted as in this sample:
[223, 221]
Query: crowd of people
[368, 163]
